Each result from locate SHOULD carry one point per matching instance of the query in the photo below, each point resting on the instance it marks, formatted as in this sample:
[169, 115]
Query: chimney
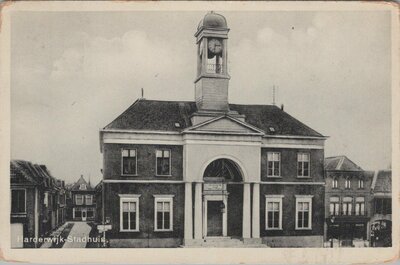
[282, 107]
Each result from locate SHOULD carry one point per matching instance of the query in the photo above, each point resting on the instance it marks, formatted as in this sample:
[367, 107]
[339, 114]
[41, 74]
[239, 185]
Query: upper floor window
[163, 212]
[273, 216]
[360, 183]
[347, 205]
[383, 205]
[18, 201]
[334, 205]
[274, 164]
[129, 162]
[303, 211]
[163, 162]
[347, 183]
[303, 164]
[89, 199]
[360, 206]
[82, 186]
[129, 213]
[78, 199]
[334, 183]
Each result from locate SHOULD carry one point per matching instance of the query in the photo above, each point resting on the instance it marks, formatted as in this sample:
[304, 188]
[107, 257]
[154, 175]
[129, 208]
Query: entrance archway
[222, 199]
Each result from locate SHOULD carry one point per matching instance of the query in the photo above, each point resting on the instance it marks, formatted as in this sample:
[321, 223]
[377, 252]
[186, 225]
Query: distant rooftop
[340, 163]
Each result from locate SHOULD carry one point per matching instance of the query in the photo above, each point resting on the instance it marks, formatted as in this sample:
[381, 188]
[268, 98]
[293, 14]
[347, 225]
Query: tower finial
[142, 92]
[273, 95]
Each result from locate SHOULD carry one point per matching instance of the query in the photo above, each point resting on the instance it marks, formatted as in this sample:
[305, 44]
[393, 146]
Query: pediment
[225, 124]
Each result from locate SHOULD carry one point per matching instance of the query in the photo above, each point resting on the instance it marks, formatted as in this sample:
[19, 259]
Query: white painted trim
[208, 142]
[142, 141]
[138, 131]
[295, 137]
[241, 167]
[273, 198]
[304, 198]
[81, 196]
[244, 124]
[86, 199]
[293, 146]
[302, 162]
[143, 181]
[292, 183]
[215, 197]
[279, 160]
[128, 198]
[164, 198]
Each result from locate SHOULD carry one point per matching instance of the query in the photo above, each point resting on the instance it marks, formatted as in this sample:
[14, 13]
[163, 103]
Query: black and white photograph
[208, 126]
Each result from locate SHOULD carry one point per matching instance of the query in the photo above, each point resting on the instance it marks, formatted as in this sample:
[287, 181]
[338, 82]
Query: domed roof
[213, 20]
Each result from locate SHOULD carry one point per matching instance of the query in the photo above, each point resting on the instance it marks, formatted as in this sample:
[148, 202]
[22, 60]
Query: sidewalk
[79, 235]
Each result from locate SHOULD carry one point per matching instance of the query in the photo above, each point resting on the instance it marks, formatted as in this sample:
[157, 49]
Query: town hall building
[204, 172]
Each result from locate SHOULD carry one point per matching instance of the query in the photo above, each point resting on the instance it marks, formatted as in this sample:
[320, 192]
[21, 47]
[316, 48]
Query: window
[360, 183]
[18, 203]
[129, 212]
[163, 212]
[347, 183]
[78, 199]
[347, 205]
[383, 206]
[334, 183]
[77, 213]
[46, 199]
[273, 164]
[273, 212]
[360, 206]
[303, 211]
[303, 164]
[163, 161]
[334, 205]
[82, 187]
[90, 213]
[89, 199]
[129, 162]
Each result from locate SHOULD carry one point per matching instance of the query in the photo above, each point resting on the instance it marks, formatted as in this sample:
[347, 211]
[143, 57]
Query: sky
[74, 72]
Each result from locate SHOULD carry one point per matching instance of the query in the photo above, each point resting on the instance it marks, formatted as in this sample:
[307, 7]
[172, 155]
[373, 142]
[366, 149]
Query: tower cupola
[212, 80]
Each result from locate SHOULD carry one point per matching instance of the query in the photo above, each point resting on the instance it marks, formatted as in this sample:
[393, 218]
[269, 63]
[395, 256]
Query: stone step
[225, 242]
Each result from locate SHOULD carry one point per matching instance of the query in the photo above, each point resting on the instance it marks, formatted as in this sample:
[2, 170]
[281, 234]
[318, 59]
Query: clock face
[215, 46]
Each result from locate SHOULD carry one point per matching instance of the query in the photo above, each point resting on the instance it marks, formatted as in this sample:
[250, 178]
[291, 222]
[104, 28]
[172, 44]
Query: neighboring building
[99, 202]
[347, 202]
[178, 172]
[381, 221]
[34, 211]
[81, 201]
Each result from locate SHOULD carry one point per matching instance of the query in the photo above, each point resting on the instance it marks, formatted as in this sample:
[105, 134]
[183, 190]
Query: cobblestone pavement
[78, 236]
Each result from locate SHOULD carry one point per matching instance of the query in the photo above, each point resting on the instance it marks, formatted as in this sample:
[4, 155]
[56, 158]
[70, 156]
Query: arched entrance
[222, 199]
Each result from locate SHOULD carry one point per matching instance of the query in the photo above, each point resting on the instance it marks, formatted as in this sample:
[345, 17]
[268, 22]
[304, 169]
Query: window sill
[18, 214]
[273, 229]
[163, 175]
[302, 177]
[129, 230]
[274, 177]
[164, 230]
[129, 175]
[303, 229]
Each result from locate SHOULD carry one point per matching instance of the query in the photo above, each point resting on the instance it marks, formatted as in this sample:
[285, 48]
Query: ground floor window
[77, 213]
[90, 212]
[360, 231]
[129, 212]
[273, 212]
[163, 212]
[303, 211]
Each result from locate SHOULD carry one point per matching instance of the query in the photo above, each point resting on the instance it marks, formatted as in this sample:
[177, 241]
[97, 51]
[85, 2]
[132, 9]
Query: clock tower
[211, 84]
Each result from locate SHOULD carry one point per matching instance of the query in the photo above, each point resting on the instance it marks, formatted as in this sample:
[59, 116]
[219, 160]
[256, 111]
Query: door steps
[223, 242]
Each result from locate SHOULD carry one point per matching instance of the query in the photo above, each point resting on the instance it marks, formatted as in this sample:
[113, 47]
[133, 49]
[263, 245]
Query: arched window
[334, 183]
[347, 183]
[360, 183]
